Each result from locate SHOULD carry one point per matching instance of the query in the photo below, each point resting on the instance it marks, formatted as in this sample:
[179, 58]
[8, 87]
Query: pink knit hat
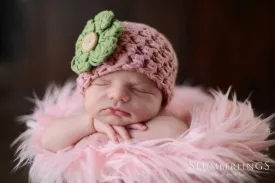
[142, 49]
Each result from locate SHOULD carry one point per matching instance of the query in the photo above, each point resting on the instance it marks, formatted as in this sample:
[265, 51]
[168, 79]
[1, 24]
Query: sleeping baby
[126, 92]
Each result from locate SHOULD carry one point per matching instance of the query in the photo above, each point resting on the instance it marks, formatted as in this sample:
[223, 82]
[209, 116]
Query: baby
[127, 73]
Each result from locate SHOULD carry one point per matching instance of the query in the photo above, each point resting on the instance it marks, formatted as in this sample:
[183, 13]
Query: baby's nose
[119, 94]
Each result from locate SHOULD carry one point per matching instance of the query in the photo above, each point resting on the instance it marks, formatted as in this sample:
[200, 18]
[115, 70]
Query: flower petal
[115, 30]
[80, 63]
[90, 27]
[102, 51]
[103, 20]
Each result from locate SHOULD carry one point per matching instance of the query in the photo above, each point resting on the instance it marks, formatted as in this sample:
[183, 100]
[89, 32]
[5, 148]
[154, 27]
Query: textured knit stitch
[143, 49]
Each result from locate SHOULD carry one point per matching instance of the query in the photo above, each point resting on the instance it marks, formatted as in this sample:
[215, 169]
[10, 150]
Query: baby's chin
[116, 120]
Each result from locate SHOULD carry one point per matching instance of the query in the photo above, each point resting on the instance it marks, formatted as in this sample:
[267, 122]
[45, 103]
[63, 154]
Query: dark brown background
[219, 43]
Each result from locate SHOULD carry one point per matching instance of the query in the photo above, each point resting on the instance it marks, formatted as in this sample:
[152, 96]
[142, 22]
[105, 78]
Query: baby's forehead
[127, 76]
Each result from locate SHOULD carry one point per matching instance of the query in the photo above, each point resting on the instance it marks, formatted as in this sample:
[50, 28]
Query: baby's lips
[117, 112]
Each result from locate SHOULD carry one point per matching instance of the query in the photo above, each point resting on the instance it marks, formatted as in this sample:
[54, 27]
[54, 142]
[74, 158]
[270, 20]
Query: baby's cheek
[146, 112]
[91, 107]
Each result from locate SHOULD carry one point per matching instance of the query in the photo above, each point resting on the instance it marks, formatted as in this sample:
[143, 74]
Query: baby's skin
[121, 105]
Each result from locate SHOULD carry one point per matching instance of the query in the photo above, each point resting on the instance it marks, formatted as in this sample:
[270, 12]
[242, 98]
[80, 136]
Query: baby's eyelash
[101, 83]
[141, 90]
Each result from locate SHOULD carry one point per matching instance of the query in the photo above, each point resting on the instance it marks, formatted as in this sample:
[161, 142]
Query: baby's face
[122, 98]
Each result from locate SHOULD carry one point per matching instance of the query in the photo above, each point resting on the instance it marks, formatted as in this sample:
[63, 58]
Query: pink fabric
[143, 49]
[221, 132]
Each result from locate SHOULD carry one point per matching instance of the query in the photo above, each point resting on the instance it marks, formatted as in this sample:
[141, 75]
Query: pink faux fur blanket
[224, 143]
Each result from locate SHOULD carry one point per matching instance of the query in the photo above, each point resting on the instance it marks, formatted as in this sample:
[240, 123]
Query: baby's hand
[117, 132]
[105, 128]
[123, 133]
[137, 126]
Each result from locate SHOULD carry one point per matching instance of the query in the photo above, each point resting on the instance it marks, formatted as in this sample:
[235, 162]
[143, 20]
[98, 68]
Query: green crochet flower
[96, 42]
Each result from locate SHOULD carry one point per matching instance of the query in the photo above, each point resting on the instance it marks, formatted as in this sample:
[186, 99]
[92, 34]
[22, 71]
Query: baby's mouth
[117, 111]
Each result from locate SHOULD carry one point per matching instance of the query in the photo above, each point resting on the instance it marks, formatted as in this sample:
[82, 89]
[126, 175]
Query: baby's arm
[67, 131]
[160, 127]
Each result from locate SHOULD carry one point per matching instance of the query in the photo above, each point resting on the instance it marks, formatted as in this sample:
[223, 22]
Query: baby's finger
[122, 132]
[138, 126]
[111, 133]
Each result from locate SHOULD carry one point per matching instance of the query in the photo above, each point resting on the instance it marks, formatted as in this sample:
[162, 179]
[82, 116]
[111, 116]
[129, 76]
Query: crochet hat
[107, 45]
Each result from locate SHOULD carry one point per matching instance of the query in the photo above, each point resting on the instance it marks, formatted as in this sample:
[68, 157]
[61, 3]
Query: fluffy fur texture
[222, 134]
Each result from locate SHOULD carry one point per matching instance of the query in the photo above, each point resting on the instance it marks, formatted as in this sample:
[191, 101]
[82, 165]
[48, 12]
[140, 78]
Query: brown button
[89, 42]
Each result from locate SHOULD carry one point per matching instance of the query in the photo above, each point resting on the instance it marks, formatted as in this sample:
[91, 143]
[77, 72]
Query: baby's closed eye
[101, 82]
[141, 89]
